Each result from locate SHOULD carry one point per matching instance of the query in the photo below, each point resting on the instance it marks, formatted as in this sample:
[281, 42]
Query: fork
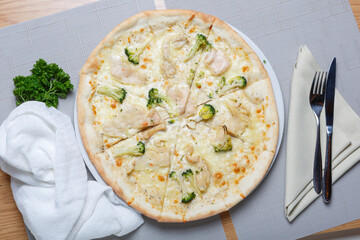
[316, 99]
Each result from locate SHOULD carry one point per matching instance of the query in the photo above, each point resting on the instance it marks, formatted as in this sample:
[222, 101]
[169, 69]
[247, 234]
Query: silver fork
[316, 99]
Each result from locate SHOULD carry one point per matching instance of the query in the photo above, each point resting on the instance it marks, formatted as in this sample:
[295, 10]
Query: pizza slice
[140, 166]
[235, 165]
[247, 114]
[192, 192]
[246, 145]
[175, 52]
[117, 120]
[227, 64]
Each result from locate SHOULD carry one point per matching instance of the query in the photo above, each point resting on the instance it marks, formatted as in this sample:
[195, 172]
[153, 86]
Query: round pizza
[177, 114]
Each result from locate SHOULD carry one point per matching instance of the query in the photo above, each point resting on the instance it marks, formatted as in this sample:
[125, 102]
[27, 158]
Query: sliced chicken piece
[193, 159]
[217, 62]
[180, 41]
[133, 117]
[233, 115]
[130, 166]
[203, 177]
[153, 158]
[146, 134]
[168, 69]
[202, 174]
[152, 119]
[179, 94]
[257, 92]
[166, 50]
[190, 107]
[124, 72]
[239, 119]
[221, 134]
[189, 149]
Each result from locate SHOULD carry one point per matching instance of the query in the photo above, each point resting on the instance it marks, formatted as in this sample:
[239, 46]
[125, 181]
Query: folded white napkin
[301, 137]
[38, 149]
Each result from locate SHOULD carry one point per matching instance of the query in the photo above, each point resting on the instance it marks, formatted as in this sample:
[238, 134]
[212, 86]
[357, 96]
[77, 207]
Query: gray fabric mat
[278, 27]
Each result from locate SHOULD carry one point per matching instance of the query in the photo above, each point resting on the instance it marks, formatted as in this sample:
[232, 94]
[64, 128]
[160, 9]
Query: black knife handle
[327, 179]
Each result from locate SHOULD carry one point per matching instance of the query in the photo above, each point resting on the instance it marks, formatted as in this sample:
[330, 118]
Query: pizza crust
[90, 137]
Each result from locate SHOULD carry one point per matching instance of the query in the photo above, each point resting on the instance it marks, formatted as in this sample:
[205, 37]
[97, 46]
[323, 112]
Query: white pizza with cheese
[177, 114]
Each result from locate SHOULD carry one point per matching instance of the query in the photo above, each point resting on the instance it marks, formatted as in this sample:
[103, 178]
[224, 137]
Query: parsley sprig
[47, 83]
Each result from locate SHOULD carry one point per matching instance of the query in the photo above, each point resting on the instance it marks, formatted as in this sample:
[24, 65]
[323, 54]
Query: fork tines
[319, 83]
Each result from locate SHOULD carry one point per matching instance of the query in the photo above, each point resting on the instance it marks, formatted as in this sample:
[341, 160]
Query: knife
[329, 116]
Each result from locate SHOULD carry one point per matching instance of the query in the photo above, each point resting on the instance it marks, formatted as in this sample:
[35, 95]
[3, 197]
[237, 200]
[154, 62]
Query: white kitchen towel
[38, 149]
[301, 137]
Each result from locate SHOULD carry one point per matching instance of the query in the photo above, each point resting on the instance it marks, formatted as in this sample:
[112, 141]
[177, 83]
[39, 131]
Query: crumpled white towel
[38, 149]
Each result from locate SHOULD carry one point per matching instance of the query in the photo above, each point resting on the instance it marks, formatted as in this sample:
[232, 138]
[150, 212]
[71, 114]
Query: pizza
[177, 114]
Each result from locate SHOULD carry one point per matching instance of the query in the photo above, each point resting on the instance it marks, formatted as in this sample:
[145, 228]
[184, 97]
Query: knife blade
[329, 117]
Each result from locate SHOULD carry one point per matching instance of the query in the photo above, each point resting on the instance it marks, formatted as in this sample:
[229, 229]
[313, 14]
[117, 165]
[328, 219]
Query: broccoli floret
[172, 174]
[225, 146]
[207, 111]
[238, 81]
[155, 98]
[189, 176]
[171, 121]
[116, 93]
[134, 55]
[188, 198]
[137, 150]
[235, 82]
[200, 43]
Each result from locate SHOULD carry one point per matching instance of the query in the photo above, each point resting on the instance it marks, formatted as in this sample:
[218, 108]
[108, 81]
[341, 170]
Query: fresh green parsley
[46, 84]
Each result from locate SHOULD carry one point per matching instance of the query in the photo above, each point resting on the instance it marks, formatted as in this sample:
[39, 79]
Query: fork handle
[317, 162]
[327, 180]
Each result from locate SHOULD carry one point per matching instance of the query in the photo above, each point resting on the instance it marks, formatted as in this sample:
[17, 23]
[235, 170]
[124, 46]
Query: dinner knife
[329, 116]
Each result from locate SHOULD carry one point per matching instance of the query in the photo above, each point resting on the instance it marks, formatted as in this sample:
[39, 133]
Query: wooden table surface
[11, 222]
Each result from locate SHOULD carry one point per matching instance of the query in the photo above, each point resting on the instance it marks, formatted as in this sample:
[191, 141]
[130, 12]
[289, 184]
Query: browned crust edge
[256, 176]
[206, 18]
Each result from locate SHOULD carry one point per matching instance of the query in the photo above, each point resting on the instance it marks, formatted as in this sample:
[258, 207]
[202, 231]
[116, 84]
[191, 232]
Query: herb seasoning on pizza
[177, 114]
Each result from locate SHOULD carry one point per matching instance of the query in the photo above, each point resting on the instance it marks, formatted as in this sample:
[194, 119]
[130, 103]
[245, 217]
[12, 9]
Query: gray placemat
[278, 27]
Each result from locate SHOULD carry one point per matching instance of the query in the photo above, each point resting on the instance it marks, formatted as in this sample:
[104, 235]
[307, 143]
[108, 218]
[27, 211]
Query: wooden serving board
[16, 11]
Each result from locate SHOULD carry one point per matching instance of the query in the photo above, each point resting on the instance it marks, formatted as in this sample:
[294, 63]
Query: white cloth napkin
[38, 149]
[301, 137]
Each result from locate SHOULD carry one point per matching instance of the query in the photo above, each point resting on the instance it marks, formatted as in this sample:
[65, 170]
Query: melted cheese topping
[177, 140]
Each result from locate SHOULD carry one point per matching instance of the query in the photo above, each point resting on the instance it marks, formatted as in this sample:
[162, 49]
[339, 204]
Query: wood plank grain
[228, 226]
[355, 6]
[16, 11]
[11, 222]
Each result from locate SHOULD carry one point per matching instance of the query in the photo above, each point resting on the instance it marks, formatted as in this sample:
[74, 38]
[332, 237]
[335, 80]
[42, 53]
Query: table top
[12, 12]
